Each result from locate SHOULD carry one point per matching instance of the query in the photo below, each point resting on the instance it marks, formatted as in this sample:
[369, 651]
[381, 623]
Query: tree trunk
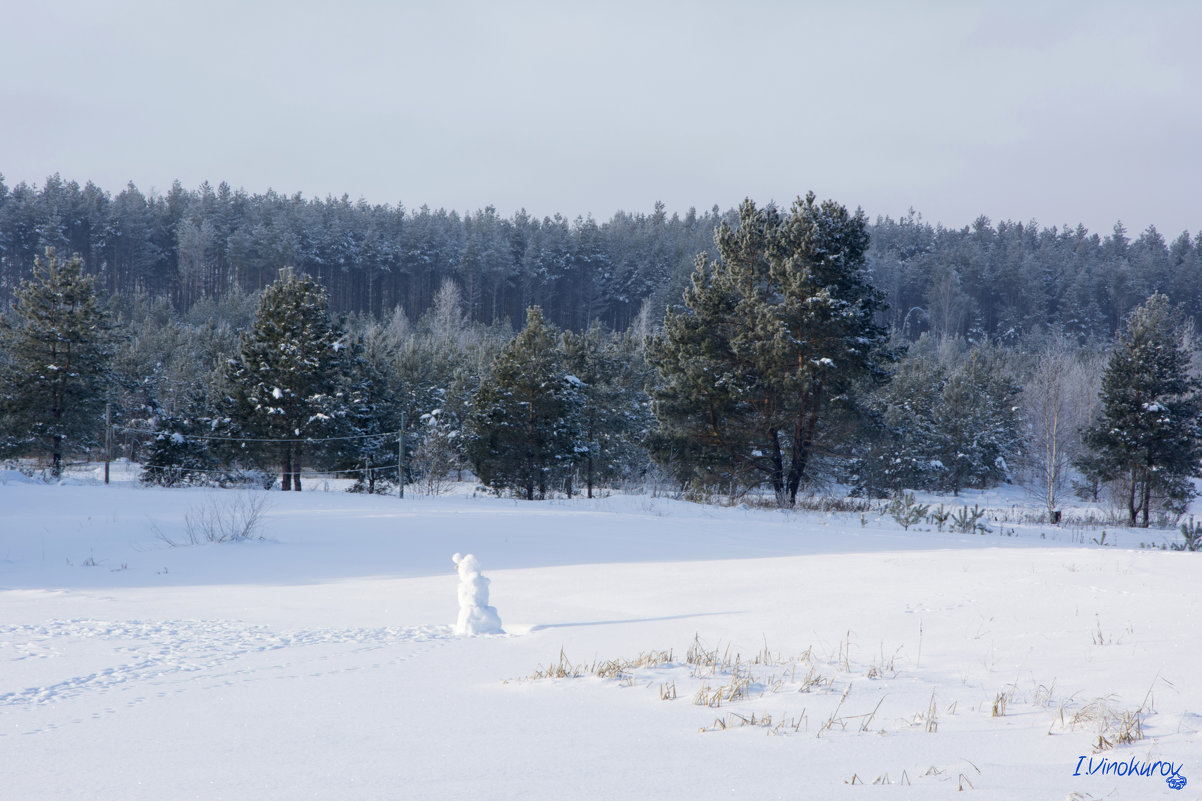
[56, 411]
[296, 466]
[589, 473]
[286, 470]
[1132, 509]
[803, 443]
[56, 466]
[530, 467]
[1147, 501]
[778, 469]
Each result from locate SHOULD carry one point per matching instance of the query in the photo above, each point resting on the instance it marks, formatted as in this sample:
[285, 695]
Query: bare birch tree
[1059, 399]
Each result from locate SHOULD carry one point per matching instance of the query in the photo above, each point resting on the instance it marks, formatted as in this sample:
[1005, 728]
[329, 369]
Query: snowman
[475, 615]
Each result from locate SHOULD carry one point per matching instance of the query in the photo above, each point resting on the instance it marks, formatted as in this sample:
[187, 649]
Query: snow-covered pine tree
[901, 450]
[369, 418]
[285, 379]
[615, 410]
[975, 422]
[773, 336]
[58, 342]
[1146, 440]
[524, 418]
[947, 420]
[417, 375]
[179, 453]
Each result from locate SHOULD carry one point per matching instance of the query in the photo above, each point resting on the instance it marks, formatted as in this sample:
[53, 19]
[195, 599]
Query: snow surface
[320, 662]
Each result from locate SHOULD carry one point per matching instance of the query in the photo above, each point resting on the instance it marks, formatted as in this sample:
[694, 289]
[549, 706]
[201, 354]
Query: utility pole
[108, 439]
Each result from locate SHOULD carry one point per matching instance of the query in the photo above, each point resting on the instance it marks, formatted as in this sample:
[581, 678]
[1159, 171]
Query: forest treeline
[984, 282]
[211, 333]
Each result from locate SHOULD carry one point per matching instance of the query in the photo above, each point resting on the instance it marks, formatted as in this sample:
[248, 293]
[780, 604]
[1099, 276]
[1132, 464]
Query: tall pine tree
[285, 379]
[1146, 441]
[58, 365]
[775, 334]
[525, 434]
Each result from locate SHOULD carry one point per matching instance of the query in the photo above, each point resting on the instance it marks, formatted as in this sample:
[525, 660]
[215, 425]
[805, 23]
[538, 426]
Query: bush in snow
[236, 517]
[436, 457]
[174, 457]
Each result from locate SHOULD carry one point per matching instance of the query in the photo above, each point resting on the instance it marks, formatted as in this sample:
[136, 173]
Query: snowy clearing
[652, 649]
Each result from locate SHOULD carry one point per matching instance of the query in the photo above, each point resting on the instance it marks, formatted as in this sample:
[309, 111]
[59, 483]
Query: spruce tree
[975, 424]
[774, 336]
[615, 411]
[901, 451]
[370, 420]
[285, 379]
[58, 366]
[947, 421]
[1146, 440]
[524, 420]
[179, 453]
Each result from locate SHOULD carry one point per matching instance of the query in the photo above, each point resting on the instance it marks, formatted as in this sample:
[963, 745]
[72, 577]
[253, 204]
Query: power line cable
[234, 473]
[385, 435]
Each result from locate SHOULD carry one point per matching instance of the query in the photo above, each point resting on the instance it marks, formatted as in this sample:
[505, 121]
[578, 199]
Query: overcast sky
[1059, 112]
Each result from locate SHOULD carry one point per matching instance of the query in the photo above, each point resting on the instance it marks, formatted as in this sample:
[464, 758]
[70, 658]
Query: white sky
[1058, 112]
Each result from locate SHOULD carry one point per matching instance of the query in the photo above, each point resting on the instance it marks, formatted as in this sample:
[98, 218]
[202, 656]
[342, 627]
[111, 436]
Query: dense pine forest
[723, 351]
[985, 281]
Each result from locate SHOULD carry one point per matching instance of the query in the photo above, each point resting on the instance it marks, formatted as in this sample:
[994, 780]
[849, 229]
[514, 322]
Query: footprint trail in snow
[142, 660]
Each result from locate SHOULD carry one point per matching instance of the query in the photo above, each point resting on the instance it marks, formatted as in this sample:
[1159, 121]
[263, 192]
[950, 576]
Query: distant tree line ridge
[983, 281]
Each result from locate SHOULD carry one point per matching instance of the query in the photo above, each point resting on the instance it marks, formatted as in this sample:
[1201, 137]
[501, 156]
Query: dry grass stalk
[834, 718]
[884, 667]
[1113, 727]
[811, 679]
[615, 669]
[734, 720]
[563, 669]
[868, 718]
[735, 690]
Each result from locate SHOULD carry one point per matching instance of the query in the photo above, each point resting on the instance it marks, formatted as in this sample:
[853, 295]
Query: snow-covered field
[741, 653]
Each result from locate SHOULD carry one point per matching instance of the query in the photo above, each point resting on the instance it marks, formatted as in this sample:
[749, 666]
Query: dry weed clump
[1112, 726]
[734, 720]
[719, 677]
[617, 669]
